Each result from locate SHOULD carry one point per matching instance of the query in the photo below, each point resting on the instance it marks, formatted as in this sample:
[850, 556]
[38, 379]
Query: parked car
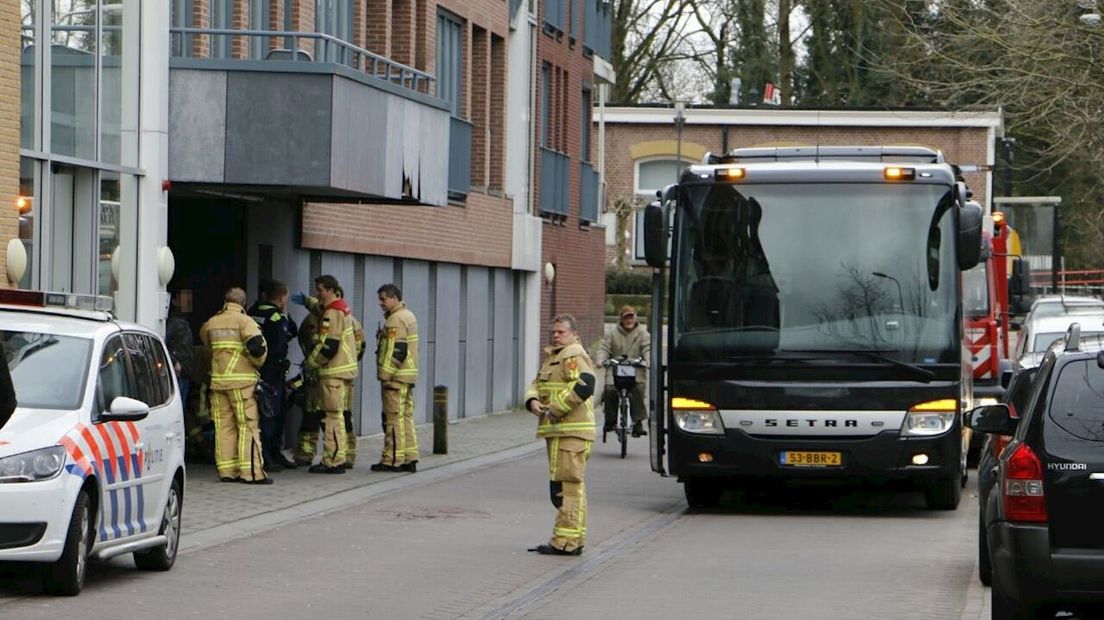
[1017, 389]
[1042, 523]
[1055, 305]
[1039, 332]
[92, 458]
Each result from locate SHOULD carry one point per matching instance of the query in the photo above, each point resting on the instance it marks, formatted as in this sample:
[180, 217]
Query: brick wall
[576, 250]
[402, 31]
[377, 27]
[480, 233]
[9, 128]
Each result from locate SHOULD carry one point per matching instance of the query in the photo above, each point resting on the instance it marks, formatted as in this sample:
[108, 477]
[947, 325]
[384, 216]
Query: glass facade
[80, 90]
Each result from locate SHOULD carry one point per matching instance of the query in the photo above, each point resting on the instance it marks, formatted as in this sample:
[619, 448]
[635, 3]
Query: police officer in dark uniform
[278, 330]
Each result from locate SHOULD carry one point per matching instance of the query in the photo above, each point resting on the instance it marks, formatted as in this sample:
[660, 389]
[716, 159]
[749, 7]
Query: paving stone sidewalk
[209, 503]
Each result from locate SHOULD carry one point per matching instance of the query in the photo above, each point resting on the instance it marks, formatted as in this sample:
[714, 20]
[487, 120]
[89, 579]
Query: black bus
[815, 328]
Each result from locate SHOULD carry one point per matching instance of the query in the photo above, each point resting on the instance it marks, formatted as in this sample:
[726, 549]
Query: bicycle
[624, 380]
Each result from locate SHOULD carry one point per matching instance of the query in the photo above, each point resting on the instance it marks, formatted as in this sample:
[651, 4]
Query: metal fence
[310, 47]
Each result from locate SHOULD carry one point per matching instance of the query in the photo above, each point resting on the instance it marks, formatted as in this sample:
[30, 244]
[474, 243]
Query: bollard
[440, 419]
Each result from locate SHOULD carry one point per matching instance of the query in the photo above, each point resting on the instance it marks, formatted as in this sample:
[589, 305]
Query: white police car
[92, 459]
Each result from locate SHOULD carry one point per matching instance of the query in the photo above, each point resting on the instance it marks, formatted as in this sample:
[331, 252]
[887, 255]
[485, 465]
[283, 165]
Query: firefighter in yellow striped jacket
[397, 371]
[334, 359]
[237, 350]
[561, 397]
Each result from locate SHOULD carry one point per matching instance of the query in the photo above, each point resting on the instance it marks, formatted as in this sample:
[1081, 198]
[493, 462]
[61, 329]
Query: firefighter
[278, 329]
[350, 433]
[397, 371]
[560, 396]
[305, 386]
[334, 359]
[237, 350]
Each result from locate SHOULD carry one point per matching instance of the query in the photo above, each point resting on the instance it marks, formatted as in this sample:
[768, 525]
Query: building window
[450, 66]
[182, 18]
[222, 18]
[335, 18]
[546, 100]
[260, 15]
[584, 149]
[651, 176]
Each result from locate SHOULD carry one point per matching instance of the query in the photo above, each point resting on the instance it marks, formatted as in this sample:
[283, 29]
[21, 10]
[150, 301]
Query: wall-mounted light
[549, 273]
[24, 204]
[17, 261]
[166, 265]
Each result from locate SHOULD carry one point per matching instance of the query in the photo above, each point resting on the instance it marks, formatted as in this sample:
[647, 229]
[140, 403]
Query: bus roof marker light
[731, 174]
[897, 173]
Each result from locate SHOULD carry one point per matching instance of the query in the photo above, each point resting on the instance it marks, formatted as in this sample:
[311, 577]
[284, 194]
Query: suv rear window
[1076, 417]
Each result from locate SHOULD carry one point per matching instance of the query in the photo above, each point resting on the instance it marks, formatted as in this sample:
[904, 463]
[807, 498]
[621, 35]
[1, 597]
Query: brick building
[643, 144]
[573, 39]
[9, 130]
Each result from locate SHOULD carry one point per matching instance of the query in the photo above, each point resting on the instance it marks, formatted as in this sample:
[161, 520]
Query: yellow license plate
[811, 459]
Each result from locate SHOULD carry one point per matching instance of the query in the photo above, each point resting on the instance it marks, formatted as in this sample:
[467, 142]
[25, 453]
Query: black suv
[1043, 520]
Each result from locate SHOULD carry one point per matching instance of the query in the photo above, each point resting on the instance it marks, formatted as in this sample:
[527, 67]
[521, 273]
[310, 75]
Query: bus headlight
[695, 416]
[930, 418]
[32, 466]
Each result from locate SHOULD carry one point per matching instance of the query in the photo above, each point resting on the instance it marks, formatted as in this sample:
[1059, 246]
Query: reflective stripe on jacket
[335, 325]
[226, 335]
[554, 387]
[397, 347]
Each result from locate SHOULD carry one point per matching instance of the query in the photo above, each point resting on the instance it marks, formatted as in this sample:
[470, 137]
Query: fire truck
[987, 311]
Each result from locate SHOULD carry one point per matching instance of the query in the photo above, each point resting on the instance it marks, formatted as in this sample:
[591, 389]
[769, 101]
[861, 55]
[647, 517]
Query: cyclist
[631, 340]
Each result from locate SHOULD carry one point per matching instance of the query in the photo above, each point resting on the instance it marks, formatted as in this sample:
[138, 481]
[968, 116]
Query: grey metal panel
[278, 128]
[197, 125]
[502, 395]
[360, 153]
[446, 361]
[415, 290]
[377, 270]
[478, 353]
[383, 142]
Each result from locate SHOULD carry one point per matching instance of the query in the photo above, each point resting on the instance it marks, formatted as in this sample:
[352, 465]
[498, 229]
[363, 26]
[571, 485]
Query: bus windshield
[821, 269]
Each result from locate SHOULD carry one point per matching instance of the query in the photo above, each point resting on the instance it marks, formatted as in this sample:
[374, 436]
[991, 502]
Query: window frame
[450, 60]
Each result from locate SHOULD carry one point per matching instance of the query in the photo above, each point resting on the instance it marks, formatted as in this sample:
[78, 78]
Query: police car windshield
[48, 371]
[816, 266]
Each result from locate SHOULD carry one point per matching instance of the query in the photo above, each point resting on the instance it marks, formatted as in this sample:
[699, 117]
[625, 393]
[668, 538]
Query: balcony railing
[309, 47]
[588, 193]
[459, 166]
[554, 182]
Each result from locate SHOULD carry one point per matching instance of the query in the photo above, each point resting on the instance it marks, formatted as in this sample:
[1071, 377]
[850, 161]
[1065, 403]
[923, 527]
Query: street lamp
[900, 296]
[680, 120]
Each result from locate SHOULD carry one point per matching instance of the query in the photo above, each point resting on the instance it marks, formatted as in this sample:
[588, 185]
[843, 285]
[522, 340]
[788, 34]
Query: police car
[92, 459]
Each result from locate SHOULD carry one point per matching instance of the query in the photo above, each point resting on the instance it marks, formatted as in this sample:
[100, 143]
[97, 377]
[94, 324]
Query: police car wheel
[66, 576]
[162, 558]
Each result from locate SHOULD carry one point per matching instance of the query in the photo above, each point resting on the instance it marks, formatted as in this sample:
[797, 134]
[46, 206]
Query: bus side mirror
[1019, 285]
[969, 235]
[655, 235]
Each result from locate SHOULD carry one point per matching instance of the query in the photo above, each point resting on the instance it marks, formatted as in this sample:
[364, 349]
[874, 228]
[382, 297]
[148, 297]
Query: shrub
[628, 282]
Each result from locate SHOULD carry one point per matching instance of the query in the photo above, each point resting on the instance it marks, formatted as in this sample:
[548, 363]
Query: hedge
[628, 282]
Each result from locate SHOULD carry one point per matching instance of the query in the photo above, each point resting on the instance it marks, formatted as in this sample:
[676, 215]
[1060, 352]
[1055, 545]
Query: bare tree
[647, 37]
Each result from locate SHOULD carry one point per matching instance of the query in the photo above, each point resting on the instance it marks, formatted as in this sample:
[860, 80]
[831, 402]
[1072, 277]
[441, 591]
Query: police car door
[119, 446]
[155, 388]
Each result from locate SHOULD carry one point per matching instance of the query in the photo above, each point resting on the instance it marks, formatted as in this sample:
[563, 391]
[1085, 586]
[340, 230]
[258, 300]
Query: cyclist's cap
[627, 311]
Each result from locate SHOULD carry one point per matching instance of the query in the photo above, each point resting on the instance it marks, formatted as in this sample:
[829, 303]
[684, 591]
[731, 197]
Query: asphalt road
[457, 549]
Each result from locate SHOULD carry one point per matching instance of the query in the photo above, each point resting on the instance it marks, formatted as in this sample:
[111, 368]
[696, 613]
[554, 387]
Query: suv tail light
[1023, 487]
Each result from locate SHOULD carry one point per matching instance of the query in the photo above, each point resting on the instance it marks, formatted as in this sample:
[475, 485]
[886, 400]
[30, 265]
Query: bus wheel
[702, 493]
[944, 494]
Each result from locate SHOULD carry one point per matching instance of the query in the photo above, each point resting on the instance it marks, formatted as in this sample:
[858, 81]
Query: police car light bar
[42, 299]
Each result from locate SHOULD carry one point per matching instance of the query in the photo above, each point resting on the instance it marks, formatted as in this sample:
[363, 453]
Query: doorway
[207, 238]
